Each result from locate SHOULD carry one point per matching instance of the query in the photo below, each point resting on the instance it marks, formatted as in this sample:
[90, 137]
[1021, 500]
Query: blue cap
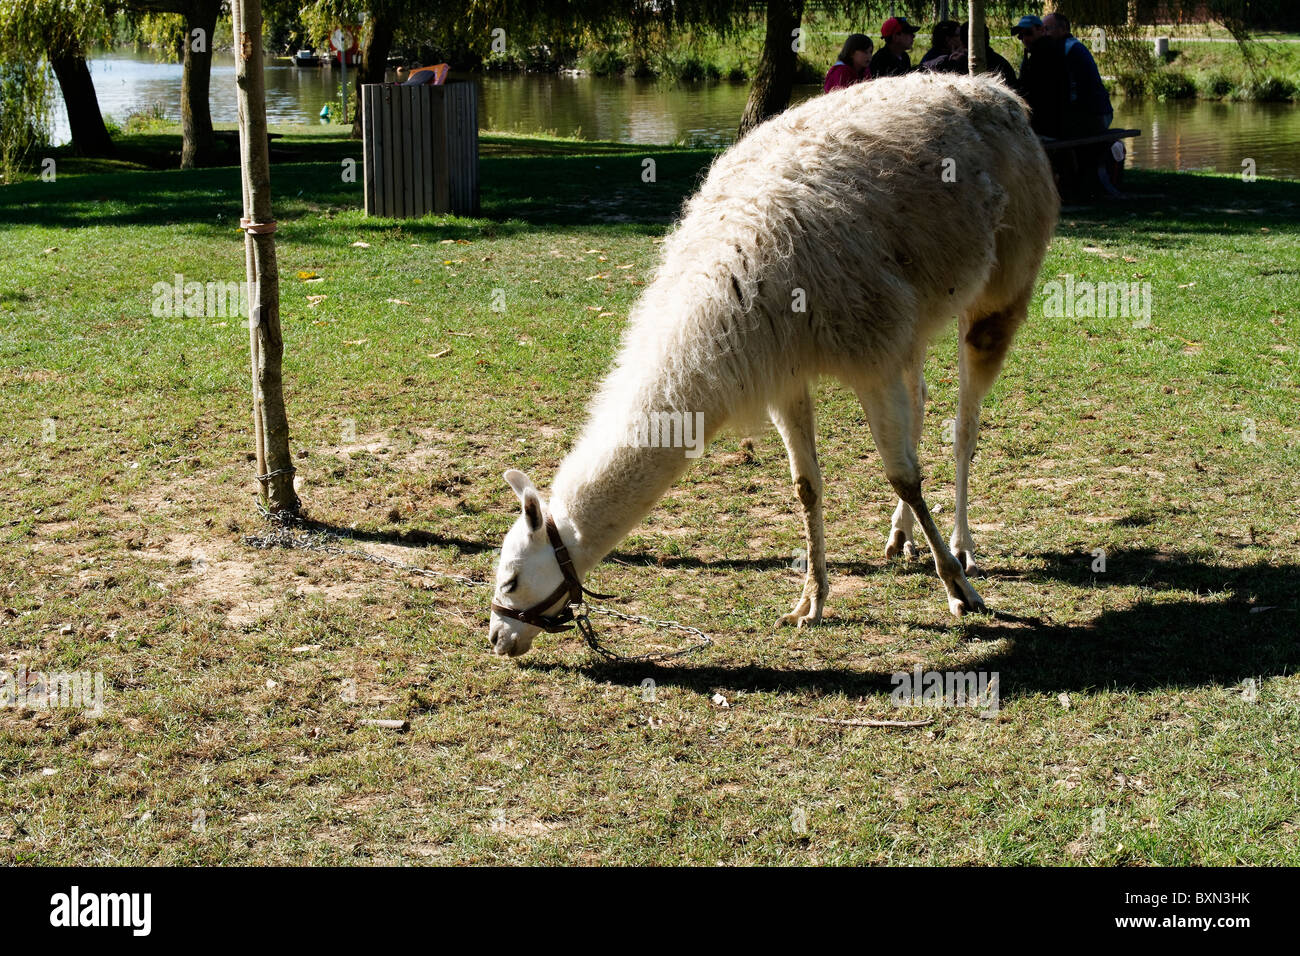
[1025, 23]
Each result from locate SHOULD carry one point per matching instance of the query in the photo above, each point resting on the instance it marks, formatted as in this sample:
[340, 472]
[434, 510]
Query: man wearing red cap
[892, 60]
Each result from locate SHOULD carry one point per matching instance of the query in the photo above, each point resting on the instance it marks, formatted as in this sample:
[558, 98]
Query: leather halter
[570, 588]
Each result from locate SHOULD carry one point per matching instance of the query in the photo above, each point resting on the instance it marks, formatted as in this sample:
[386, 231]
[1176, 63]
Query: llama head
[527, 572]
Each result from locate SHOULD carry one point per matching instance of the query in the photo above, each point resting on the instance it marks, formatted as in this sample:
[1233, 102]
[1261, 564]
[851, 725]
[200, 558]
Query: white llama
[805, 254]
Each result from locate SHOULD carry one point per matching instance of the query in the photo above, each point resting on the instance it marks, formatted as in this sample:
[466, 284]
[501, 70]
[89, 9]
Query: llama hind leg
[903, 521]
[985, 338]
[889, 409]
[794, 421]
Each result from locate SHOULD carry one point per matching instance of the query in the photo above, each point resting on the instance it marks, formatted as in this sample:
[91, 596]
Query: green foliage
[1171, 85]
[1268, 89]
[604, 61]
[1214, 85]
[24, 115]
[148, 119]
[32, 29]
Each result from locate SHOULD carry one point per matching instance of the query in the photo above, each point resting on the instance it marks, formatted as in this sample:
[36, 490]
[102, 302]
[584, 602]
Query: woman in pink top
[853, 65]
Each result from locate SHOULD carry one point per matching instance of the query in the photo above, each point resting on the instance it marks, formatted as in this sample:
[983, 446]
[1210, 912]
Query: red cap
[895, 25]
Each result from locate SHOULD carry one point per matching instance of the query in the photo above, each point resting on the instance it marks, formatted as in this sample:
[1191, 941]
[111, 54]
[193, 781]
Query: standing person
[892, 58]
[1089, 104]
[1043, 83]
[853, 64]
[947, 46]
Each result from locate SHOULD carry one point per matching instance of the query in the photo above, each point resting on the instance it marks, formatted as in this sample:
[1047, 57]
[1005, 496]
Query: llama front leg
[889, 409]
[795, 423]
[900, 527]
[985, 339]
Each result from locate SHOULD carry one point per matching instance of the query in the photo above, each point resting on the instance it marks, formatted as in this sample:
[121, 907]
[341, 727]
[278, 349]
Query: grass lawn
[236, 680]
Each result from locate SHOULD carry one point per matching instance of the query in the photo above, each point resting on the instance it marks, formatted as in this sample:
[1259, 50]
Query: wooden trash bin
[420, 148]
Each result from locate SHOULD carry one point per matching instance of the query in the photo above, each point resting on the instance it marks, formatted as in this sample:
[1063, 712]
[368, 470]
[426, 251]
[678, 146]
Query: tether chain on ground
[300, 535]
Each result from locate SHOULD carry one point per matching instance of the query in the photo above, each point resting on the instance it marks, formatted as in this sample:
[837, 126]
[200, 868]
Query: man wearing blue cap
[1043, 82]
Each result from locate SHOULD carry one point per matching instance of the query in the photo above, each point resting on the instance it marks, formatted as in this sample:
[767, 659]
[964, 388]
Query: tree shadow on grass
[518, 194]
[1164, 640]
[406, 538]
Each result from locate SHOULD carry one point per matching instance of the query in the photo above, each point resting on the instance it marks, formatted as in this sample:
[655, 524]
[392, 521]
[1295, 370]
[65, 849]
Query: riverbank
[1154, 691]
[1205, 64]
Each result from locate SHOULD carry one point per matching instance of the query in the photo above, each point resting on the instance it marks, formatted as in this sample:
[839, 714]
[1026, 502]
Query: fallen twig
[389, 724]
[863, 723]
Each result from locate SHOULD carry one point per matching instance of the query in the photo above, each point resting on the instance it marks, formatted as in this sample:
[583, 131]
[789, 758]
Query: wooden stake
[266, 346]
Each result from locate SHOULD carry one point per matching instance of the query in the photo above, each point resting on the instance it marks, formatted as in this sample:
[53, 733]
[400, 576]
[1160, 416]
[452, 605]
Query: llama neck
[637, 443]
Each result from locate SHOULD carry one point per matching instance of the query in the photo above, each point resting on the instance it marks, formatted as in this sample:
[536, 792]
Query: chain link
[297, 534]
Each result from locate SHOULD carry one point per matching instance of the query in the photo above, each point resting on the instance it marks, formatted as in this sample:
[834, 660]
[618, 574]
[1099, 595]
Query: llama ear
[532, 503]
[517, 480]
[528, 498]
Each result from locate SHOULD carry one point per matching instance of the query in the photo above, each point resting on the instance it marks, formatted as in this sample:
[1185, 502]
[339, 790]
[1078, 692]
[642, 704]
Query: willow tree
[773, 83]
[59, 32]
[1125, 21]
[198, 19]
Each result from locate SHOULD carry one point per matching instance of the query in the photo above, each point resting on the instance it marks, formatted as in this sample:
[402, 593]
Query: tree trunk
[374, 61]
[270, 422]
[198, 145]
[89, 135]
[774, 79]
[976, 52]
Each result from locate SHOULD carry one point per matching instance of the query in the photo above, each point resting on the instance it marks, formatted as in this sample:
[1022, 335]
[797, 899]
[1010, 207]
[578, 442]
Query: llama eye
[510, 585]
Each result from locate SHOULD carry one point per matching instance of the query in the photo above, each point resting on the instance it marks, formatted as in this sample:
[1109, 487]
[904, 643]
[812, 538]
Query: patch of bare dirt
[217, 575]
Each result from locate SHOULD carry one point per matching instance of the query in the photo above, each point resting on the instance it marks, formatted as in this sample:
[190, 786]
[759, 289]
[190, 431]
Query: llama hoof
[910, 551]
[960, 607]
[899, 544]
[803, 615]
[798, 620]
[967, 560]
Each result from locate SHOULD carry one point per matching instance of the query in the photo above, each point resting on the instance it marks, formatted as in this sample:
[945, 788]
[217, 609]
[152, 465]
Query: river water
[1175, 135]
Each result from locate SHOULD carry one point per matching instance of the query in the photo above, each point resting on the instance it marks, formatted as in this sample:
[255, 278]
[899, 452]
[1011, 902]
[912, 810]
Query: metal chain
[589, 635]
[294, 533]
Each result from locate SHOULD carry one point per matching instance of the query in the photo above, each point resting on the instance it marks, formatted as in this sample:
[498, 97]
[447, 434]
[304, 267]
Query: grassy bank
[1269, 70]
[236, 680]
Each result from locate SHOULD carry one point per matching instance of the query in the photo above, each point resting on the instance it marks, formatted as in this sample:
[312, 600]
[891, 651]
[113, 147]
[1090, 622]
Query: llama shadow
[646, 559]
[1158, 642]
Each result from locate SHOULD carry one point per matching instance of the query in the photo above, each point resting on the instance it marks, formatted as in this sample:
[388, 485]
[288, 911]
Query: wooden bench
[1114, 170]
[1110, 136]
[230, 137]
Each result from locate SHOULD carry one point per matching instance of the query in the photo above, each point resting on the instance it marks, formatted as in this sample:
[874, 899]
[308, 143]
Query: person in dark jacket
[1089, 103]
[853, 64]
[1043, 82]
[892, 58]
[947, 49]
